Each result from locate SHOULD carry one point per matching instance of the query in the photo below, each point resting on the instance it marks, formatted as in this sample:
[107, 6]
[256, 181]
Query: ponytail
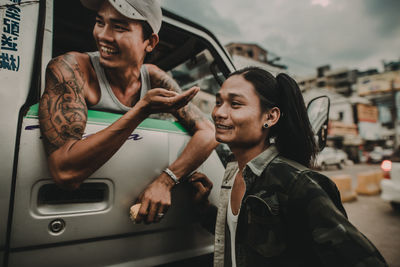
[293, 133]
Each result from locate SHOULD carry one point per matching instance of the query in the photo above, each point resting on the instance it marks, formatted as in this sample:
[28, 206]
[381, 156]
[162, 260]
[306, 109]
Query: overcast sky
[357, 34]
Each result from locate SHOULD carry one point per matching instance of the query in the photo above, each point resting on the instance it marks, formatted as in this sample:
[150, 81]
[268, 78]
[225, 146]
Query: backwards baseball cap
[147, 10]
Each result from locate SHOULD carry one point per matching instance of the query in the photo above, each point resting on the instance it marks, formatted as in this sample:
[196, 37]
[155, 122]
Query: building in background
[252, 51]
[374, 99]
[247, 54]
[391, 66]
[306, 83]
[383, 90]
[340, 80]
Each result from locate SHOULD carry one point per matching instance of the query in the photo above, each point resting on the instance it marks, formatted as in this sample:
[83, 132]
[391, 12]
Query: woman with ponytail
[274, 210]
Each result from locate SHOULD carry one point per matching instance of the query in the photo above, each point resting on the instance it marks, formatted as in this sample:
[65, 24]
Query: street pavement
[372, 216]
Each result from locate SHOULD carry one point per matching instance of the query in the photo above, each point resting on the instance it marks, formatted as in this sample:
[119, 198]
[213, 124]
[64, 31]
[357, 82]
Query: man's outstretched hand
[160, 100]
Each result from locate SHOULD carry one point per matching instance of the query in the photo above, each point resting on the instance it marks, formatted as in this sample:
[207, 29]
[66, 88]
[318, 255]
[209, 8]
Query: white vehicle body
[40, 224]
[328, 157]
[391, 187]
[376, 155]
[341, 155]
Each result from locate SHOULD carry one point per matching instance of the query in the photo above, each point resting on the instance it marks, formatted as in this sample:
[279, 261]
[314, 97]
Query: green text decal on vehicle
[105, 118]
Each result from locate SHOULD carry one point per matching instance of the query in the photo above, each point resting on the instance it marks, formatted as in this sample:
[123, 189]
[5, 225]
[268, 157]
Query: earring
[265, 126]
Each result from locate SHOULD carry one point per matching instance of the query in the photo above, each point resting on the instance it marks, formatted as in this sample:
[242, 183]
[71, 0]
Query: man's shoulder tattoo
[62, 109]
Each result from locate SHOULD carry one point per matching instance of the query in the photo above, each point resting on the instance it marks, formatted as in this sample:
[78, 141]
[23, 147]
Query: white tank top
[232, 221]
[108, 101]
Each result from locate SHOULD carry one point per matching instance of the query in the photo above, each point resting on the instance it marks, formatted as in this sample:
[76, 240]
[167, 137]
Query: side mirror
[318, 114]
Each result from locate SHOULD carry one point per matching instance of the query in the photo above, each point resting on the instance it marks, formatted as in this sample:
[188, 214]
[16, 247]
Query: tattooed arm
[62, 110]
[63, 116]
[156, 198]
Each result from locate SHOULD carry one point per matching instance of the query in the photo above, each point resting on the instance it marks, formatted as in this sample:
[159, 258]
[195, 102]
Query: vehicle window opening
[72, 33]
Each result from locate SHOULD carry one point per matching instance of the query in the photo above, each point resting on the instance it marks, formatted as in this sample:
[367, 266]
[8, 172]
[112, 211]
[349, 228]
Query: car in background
[330, 156]
[342, 156]
[376, 155]
[387, 153]
[390, 185]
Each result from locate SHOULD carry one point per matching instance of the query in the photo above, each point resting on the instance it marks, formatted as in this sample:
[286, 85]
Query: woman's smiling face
[237, 114]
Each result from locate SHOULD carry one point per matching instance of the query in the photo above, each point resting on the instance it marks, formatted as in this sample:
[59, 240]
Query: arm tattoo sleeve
[160, 79]
[62, 109]
[188, 115]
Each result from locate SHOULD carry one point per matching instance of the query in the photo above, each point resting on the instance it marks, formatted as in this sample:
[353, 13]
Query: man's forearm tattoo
[160, 79]
[62, 110]
[188, 115]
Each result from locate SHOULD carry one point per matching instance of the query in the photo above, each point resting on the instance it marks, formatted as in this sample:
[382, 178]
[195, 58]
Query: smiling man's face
[119, 39]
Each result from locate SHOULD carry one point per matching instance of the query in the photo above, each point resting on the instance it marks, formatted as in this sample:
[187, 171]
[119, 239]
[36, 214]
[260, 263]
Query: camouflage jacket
[289, 216]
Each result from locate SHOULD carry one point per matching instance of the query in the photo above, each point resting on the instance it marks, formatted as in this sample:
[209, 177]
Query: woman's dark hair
[294, 137]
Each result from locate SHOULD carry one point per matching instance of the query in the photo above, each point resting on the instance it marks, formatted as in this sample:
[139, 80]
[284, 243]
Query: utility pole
[394, 116]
